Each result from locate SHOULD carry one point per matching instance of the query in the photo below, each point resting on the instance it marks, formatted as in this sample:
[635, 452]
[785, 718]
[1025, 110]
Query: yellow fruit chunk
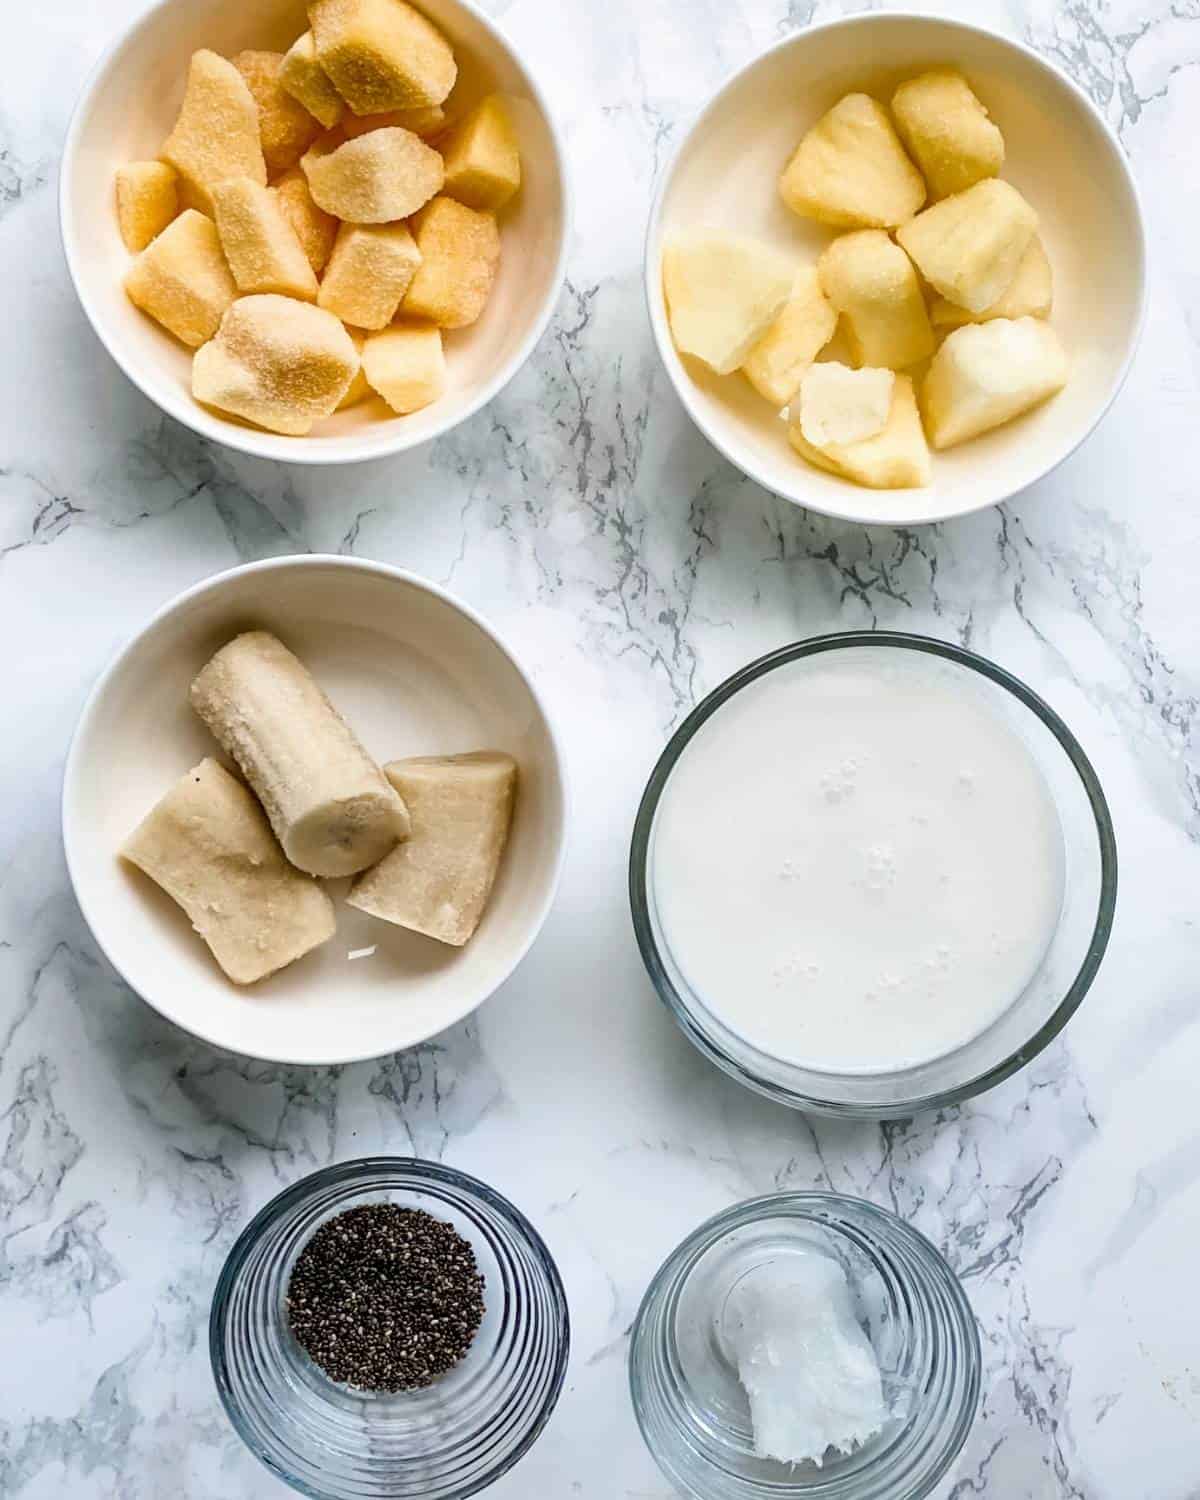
[947, 131]
[406, 365]
[460, 253]
[147, 201]
[1030, 294]
[285, 128]
[315, 229]
[263, 250]
[483, 162]
[216, 134]
[895, 459]
[182, 280]
[375, 178]
[302, 76]
[968, 247]
[422, 122]
[838, 405]
[777, 362]
[988, 373]
[371, 268]
[358, 389]
[851, 170]
[871, 282]
[723, 291]
[382, 54]
[276, 362]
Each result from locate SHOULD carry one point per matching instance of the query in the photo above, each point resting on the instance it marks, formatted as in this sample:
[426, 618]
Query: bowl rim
[684, 388]
[680, 1008]
[259, 443]
[410, 1172]
[72, 834]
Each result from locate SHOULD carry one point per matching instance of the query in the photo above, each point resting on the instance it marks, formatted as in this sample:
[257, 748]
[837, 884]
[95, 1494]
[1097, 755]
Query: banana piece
[439, 881]
[330, 805]
[211, 849]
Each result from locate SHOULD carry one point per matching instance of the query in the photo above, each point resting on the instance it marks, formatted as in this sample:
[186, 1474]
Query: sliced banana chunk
[209, 846]
[439, 881]
[330, 805]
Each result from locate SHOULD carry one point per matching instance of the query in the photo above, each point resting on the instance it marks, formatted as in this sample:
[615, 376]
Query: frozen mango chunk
[315, 229]
[775, 364]
[406, 365]
[216, 134]
[840, 405]
[947, 131]
[371, 268]
[263, 250]
[279, 363]
[895, 458]
[438, 882]
[851, 170]
[147, 201]
[285, 128]
[872, 283]
[181, 278]
[483, 162]
[358, 389]
[382, 54]
[375, 178]
[1030, 294]
[460, 252]
[302, 76]
[422, 122]
[723, 291]
[987, 373]
[969, 246]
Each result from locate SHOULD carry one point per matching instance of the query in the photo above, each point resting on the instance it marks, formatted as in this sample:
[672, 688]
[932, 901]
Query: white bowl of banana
[896, 268]
[314, 812]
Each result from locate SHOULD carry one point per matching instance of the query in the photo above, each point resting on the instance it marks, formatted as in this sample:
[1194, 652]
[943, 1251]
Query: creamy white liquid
[856, 863]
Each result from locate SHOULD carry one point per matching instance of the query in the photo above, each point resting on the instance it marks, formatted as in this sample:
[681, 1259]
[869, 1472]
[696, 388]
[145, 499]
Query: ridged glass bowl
[1051, 996]
[689, 1403]
[445, 1442]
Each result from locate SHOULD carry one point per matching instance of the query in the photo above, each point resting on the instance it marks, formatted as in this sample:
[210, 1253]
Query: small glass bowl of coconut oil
[813, 1326]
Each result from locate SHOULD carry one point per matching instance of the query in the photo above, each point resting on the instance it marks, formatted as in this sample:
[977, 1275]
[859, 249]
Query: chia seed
[385, 1298]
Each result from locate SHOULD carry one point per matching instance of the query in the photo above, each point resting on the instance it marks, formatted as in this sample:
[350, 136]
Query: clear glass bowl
[442, 1443]
[692, 1410]
[1049, 1000]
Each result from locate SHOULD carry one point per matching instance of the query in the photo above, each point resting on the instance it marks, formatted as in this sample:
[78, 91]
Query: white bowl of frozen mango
[1082, 268]
[186, 811]
[276, 363]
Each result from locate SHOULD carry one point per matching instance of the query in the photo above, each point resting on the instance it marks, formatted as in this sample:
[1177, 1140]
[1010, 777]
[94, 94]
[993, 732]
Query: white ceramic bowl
[126, 111]
[415, 672]
[1060, 154]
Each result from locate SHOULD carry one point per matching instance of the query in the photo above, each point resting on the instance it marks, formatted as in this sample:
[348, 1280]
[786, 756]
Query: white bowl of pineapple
[896, 268]
[322, 232]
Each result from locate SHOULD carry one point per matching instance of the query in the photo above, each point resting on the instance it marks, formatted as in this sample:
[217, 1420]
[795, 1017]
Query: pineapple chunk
[371, 268]
[777, 362]
[315, 229]
[382, 54]
[406, 365]
[216, 134]
[895, 459]
[947, 131]
[422, 122]
[968, 247]
[286, 129]
[460, 255]
[851, 170]
[723, 292]
[359, 388]
[182, 279]
[840, 405]
[1030, 294]
[483, 164]
[147, 201]
[871, 282]
[988, 373]
[263, 250]
[301, 76]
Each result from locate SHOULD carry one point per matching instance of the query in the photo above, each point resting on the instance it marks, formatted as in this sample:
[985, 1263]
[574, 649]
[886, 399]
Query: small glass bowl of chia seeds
[450, 1372]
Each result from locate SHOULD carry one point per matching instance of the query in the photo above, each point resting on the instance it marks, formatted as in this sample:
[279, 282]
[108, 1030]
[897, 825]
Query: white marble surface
[634, 569]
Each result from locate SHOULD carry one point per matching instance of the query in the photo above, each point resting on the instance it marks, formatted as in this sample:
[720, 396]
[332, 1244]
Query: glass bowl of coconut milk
[872, 873]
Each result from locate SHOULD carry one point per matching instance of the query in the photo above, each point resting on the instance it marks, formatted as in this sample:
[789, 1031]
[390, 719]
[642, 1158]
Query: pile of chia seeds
[385, 1298]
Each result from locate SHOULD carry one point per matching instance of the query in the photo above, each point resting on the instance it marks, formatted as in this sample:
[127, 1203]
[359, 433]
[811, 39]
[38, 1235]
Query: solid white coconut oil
[857, 864]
